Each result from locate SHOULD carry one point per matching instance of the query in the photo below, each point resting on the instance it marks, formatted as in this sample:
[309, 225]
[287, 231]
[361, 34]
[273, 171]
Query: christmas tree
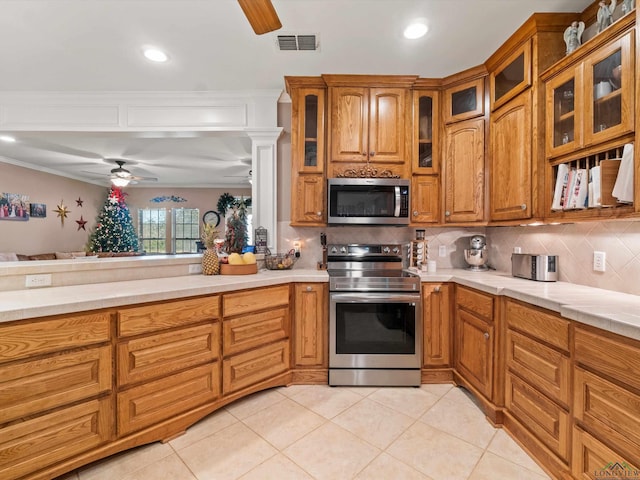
[114, 231]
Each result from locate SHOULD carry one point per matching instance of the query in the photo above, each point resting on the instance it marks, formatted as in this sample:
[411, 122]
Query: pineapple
[210, 264]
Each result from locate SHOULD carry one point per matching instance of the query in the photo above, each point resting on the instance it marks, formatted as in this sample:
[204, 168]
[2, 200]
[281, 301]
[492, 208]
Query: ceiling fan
[121, 177]
[261, 15]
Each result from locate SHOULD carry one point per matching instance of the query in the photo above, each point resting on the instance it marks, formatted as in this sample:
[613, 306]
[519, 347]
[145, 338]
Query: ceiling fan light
[120, 181]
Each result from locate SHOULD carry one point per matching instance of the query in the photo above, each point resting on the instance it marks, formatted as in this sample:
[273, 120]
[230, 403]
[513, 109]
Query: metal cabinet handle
[436, 290]
[372, 154]
[364, 154]
[319, 214]
[447, 213]
[486, 335]
[309, 289]
[523, 206]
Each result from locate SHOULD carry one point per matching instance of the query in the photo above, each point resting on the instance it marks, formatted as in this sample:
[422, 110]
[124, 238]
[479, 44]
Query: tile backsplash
[573, 243]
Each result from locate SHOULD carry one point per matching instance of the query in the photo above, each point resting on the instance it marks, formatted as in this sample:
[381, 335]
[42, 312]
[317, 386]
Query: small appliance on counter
[476, 255]
[541, 268]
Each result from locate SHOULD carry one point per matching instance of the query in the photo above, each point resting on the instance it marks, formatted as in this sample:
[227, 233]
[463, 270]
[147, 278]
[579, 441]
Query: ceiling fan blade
[261, 15]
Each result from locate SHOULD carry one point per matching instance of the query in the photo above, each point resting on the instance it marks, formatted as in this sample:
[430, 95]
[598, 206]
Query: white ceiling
[95, 45]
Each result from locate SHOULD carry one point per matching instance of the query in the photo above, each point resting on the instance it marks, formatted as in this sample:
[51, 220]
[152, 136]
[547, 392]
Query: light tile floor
[435, 432]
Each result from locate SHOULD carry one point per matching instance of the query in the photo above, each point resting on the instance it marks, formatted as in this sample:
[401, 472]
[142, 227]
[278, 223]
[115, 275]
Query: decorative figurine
[605, 14]
[573, 36]
[628, 5]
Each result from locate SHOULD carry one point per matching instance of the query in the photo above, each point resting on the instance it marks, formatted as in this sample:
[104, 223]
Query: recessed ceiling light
[7, 138]
[155, 55]
[416, 30]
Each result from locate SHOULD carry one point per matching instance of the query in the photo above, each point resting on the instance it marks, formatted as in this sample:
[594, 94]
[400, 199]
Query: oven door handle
[373, 297]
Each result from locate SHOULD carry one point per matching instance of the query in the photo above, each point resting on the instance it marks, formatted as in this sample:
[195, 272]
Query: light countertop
[612, 311]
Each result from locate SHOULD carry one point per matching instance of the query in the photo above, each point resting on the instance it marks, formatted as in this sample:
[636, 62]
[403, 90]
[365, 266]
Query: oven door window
[375, 328]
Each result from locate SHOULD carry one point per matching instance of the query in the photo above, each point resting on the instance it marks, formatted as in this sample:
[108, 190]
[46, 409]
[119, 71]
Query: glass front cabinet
[592, 101]
[425, 110]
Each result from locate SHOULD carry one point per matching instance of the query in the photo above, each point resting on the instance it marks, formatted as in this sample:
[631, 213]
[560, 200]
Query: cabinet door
[308, 200]
[349, 124]
[425, 194]
[310, 325]
[425, 132]
[436, 316]
[564, 96]
[511, 77]
[308, 130]
[387, 119]
[511, 160]
[464, 101]
[609, 84]
[464, 171]
[592, 459]
[254, 366]
[474, 351]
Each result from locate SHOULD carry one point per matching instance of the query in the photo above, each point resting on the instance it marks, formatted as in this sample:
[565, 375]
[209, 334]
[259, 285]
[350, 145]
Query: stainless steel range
[375, 317]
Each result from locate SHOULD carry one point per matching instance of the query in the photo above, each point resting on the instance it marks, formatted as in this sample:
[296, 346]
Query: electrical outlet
[517, 250]
[195, 268]
[32, 281]
[599, 261]
[442, 251]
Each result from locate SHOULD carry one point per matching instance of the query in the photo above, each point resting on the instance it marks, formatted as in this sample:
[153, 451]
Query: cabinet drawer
[548, 421]
[536, 323]
[153, 402]
[158, 355]
[244, 333]
[153, 318]
[255, 300]
[39, 385]
[477, 302]
[51, 335]
[620, 359]
[591, 459]
[254, 366]
[609, 409]
[36, 443]
[544, 367]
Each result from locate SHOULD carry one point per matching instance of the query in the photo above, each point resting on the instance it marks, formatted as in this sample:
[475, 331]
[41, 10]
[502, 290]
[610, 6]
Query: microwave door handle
[396, 212]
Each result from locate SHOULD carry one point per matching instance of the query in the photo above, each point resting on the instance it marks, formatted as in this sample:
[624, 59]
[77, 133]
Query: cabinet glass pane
[463, 101]
[564, 115]
[607, 95]
[311, 130]
[425, 134]
[511, 76]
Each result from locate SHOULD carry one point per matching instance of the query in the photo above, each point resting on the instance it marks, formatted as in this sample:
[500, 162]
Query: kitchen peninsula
[181, 347]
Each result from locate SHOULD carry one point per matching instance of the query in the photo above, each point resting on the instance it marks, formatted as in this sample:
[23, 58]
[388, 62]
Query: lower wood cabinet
[436, 317]
[311, 325]
[248, 368]
[474, 339]
[39, 442]
[425, 199]
[591, 459]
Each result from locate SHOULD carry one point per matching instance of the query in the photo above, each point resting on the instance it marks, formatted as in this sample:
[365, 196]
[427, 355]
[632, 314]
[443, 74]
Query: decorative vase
[210, 264]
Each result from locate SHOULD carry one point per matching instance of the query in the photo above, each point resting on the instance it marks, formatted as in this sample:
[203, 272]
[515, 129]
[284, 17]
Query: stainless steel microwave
[368, 201]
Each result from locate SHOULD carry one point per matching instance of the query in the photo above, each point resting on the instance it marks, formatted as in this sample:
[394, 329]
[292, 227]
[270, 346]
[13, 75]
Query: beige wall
[42, 235]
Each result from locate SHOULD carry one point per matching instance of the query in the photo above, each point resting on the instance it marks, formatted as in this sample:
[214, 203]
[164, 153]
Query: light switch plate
[442, 251]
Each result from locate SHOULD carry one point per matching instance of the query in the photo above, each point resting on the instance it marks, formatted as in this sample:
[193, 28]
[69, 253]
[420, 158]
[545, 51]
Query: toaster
[541, 268]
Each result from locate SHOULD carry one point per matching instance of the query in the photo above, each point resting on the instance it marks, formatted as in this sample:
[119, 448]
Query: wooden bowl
[226, 269]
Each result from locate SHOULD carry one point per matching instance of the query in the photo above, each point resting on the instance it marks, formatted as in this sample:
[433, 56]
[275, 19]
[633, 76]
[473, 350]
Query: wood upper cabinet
[474, 339]
[436, 317]
[426, 111]
[370, 118]
[511, 161]
[311, 325]
[308, 146]
[464, 171]
[511, 77]
[464, 101]
[425, 199]
[590, 102]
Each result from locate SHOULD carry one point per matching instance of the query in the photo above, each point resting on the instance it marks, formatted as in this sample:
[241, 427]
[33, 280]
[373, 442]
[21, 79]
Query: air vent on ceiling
[298, 42]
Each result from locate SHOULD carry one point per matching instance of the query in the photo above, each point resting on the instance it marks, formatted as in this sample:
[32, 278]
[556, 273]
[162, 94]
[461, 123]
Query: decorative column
[264, 166]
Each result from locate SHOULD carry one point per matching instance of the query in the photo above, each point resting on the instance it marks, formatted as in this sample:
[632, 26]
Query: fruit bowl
[279, 261]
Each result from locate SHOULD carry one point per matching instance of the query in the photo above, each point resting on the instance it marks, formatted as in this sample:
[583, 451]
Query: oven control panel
[360, 250]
